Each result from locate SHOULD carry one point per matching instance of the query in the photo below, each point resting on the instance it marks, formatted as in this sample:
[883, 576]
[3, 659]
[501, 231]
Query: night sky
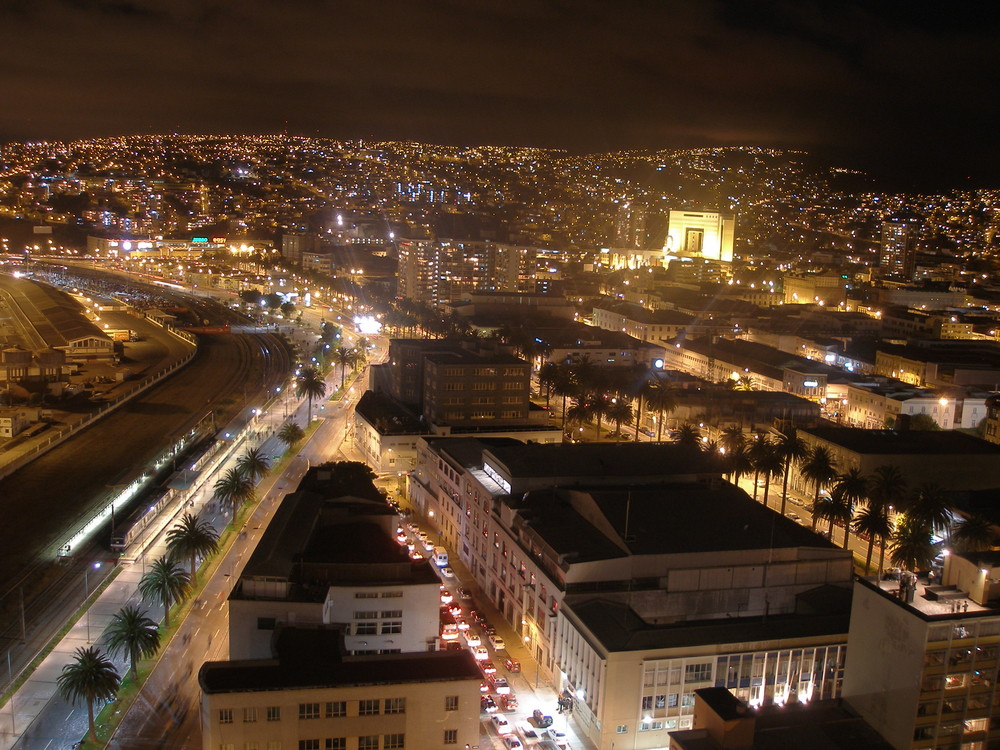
[905, 93]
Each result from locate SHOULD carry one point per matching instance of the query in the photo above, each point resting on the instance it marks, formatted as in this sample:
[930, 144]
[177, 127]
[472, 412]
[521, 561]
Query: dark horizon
[901, 96]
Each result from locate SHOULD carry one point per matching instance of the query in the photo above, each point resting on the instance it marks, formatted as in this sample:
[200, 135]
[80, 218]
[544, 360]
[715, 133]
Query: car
[510, 741]
[501, 725]
[497, 642]
[454, 609]
[487, 705]
[472, 639]
[447, 572]
[487, 666]
[480, 654]
[428, 545]
[512, 665]
[527, 731]
[489, 629]
[508, 702]
[422, 536]
[499, 683]
[453, 646]
[794, 517]
[484, 687]
[557, 737]
[411, 546]
[414, 555]
[401, 539]
[446, 597]
[464, 594]
[463, 624]
[540, 720]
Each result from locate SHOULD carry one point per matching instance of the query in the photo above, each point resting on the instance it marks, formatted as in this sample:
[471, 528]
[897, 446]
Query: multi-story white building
[605, 561]
[700, 234]
[310, 696]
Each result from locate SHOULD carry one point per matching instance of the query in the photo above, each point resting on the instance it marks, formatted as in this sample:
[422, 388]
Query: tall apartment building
[924, 659]
[700, 234]
[435, 271]
[607, 563]
[898, 255]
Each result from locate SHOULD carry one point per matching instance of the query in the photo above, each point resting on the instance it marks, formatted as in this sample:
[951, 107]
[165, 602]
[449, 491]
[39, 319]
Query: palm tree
[133, 634]
[873, 521]
[732, 438]
[929, 507]
[290, 434]
[792, 449]
[548, 375]
[819, 468]
[190, 538]
[345, 357]
[757, 449]
[738, 463]
[565, 386]
[310, 383]
[165, 582]
[888, 486]
[912, 547]
[974, 534]
[577, 413]
[660, 398]
[253, 464]
[850, 492]
[744, 383]
[837, 509]
[640, 391]
[688, 435]
[620, 412]
[769, 464]
[234, 488]
[90, 676]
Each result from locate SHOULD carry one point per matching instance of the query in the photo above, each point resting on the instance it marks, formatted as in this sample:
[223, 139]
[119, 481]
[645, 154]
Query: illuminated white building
[700, 234]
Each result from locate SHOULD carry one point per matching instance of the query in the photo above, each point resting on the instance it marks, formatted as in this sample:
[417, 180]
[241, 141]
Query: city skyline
[861, 87]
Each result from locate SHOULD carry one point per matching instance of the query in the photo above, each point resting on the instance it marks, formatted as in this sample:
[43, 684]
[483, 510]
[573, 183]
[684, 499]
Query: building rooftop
[619, 628]
[314, 658]
[927, 607]
[387, 416]
[912, 442]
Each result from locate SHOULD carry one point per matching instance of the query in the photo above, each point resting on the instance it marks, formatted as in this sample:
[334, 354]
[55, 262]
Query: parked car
[508, 702]
[557, 737]
[527, 731]
[487, 705]
[472, 639]
[447, 572]
[499, 683]
[540, 720]
[501, 725]
[497, 642]
[480, 653]
[512, 665]
[487, 666]
[464, 594]
[511, 742]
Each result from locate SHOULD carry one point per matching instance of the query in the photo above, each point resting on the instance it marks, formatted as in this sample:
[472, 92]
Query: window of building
[687, 700]
[672, 700]
[647, 703]
[391, 594]
[308, 744]
[366, 628]
[368, 742]
[308, 710]
[391, 614]
[622, 729]
[336, 743]
[274, 713]
[335, 709]
[225, 716]
[274, 745]
[368, 707]
[249, 715]
[251, 746]
[392, 741]
[395, 706]
[364, 595]
[698, 672]
[392, 626]
[227, 746]
[451, 703]
[512, 386]
[451, 736]
[366, 615]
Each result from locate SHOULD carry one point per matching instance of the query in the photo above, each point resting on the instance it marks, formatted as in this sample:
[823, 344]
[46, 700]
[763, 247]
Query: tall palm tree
[732, 438]
[769, 464]
[620, 412]
[661, 399]
[873, 521]
[345, 357]
[820, 469]
[929, 506]
[290, 434]
[599, 410]
[974, 534]
[92, 677]
[165, 582]
[850, 492]
[792, 449]
[838, 509]
[191, 538]
[133, 634]
[234, 488]
[744, 383]
[758, 448]
[253, 464]
[738, 463]
[548, 376]
[912, 547]
[310, 384]
[688, 435]
[577, 413]
[888, 486]
[565, 386]
[639, 391]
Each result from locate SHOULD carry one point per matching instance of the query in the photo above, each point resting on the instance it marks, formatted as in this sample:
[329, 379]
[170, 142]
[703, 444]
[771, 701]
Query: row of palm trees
[599, 394]
[92, 676]
[879, 507]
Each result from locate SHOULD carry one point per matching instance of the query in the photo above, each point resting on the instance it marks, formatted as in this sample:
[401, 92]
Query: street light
[86, 593]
